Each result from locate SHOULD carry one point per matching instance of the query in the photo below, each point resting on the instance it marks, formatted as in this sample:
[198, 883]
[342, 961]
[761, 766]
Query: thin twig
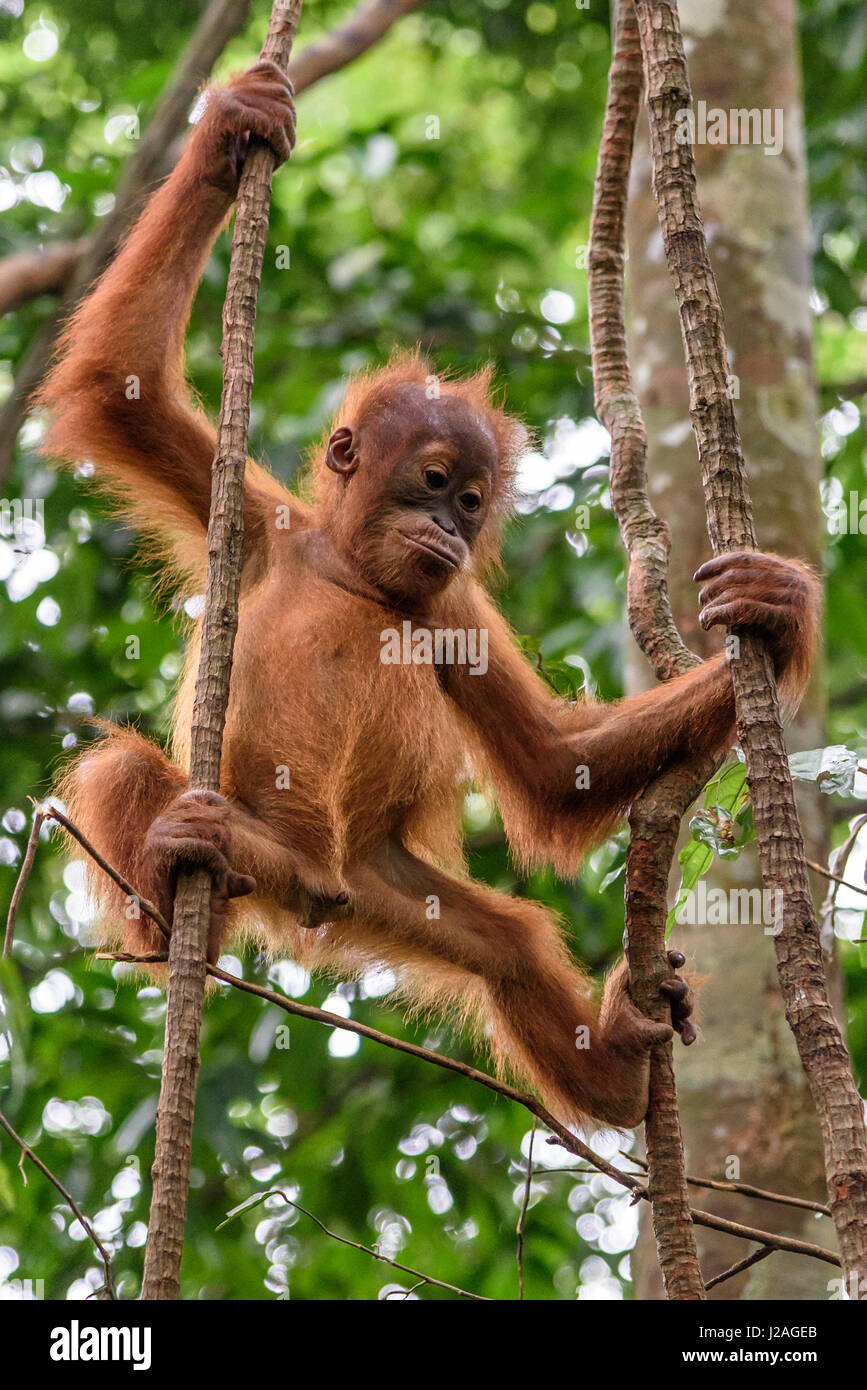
[104, 1256]
[519, 1229]
[127, 958]
[560, 1134]
[147, 907]
[563, 1136]
[776, 1242]
[841, 860]
[834, 878]
[26, 866]
[355, 1245]
[746, 1190]
[761, 1254]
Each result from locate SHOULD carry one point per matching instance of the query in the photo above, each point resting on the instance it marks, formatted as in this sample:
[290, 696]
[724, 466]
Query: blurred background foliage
[472, 244]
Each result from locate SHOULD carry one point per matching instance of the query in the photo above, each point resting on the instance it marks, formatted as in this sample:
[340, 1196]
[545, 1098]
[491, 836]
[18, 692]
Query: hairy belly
[330, 744]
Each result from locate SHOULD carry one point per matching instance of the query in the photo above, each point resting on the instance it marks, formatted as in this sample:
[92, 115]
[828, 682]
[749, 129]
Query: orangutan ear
[341, 456]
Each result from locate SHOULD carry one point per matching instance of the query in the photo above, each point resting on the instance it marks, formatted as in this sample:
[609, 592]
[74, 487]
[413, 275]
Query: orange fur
[366, 391]
[377, 754]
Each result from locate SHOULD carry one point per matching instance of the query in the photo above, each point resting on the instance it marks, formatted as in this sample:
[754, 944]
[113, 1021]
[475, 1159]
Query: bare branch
[364, 28]
[354, 1244]
[761, 1254]
[147, 907]
[645, 535]
[776, 1242]
[104, 1256]
[746, 1189]
[841, 861]
[519, 1229]
[29, 274]
[26, 866]
[562, 1135]
[834, 878]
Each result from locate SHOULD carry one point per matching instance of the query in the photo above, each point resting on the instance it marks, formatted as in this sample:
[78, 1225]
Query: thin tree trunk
[186, 987]
[771, 355]
[744, 1099]
[655, 815]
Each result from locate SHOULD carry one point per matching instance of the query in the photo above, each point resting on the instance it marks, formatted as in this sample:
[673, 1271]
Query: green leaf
[728, 791]
[726, 806]
[833, 768]
[255, 1201]
[612, 876]
[695, 859]
[716, 829]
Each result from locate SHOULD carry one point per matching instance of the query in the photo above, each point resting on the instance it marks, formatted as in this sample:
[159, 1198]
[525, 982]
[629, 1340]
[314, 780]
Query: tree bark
[745, 1098]
[656, 813]
[187, 951]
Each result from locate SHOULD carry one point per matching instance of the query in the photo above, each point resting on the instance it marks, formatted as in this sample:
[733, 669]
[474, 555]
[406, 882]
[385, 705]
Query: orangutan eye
[470, 501]
[436, 478]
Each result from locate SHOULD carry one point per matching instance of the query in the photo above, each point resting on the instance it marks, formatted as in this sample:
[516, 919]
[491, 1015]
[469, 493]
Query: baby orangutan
[337, 836]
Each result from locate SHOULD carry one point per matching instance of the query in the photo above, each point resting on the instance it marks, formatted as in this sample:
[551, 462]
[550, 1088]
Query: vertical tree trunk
[743, 1093]
[188, 946]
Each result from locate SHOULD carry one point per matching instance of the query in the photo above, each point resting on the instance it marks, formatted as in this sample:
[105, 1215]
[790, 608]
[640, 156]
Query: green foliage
[394, 238]
[714, 830]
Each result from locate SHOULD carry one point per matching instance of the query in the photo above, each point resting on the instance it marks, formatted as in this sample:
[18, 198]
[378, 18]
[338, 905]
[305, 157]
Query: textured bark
[645, 535]
[654, 823]
[186, 984]
[797, 945]
[743, 1094]
[656, 814]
